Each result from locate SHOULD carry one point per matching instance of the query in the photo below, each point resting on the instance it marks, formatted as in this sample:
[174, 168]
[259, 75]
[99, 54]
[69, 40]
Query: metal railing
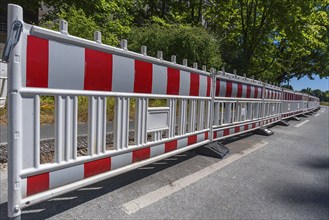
[200, 107]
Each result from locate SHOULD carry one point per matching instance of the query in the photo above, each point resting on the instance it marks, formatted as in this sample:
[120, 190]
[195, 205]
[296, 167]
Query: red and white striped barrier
[201, 107]
[49, 62]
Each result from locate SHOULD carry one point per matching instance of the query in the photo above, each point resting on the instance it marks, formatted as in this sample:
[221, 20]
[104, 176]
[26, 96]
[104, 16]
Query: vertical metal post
[171, 103]
[211, 110]
[141, 121]
[121, 123]
[263, 105]
[182, 116]
[15, 12]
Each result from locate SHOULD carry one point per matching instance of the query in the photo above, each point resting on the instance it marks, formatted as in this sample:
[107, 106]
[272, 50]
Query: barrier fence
[198, 107]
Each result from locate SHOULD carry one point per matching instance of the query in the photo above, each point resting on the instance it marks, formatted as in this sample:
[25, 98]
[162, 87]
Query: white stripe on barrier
[222, 87]
[157, 150]
[66, 62]
[203, 86]
[123, 74]
[184, 83]
[62, 177]
[121, 160]
[159, 79]
[181, 143]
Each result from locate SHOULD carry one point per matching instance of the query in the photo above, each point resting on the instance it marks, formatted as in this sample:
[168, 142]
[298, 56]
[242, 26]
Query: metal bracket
[13, 39]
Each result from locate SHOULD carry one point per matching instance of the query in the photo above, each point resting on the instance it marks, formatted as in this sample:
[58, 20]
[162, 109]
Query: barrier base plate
[264, 131]
[217, 150]
[283, 123]
[295, 118]
[303, 115]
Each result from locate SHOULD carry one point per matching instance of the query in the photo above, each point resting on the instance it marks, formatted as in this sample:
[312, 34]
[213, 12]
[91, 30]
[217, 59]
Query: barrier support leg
[264, 131]
[282, 122]
[303, 115]
[295, 118]
[215, 149]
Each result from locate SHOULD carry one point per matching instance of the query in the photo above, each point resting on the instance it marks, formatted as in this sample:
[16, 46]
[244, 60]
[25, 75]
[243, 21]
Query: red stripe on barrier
[206, 135]
[253, 125]
[248, 91]
[143, 77]
[37, 57]
[142, 154]
[194, 84]
[173, 81]
[215, 135]
[170, 146]
[256, 92]
[239, 94]
[37, 184]
[96, 167]
[98, 70]
[236, 129]
[246, 127]
[228, 89]
[226, 132]
[191, 139]
[208, 86]
[217, 87]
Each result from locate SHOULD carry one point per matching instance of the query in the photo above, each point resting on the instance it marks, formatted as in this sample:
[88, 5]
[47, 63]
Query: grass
[324, 103]
[47, 109]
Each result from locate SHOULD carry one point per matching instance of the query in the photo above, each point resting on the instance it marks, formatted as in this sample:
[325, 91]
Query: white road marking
[316, 115]
[152, 197]
[300, 124]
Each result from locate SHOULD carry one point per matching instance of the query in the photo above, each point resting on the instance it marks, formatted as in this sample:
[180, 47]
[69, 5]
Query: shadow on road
[308, 196]
[73, 199]
[315, 197]
[317, 163]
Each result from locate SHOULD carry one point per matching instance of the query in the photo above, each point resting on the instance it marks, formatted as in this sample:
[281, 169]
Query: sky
[317, 83]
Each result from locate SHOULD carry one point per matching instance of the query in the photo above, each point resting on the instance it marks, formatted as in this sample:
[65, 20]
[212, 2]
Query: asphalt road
[283, 176]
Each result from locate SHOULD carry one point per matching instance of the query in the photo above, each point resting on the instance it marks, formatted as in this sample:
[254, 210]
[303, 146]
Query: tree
[112, 18]
[274, 40]
[287, 87]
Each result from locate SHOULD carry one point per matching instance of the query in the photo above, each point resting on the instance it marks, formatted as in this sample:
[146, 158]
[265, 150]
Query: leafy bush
[192, 43]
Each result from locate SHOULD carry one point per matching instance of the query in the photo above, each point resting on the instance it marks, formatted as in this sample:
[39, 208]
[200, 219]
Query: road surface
[283, 176]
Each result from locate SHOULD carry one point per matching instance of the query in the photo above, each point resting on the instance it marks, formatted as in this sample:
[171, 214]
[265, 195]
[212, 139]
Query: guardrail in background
[199, 107]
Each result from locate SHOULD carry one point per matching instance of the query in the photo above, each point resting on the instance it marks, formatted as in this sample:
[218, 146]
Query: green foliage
[192, 43]
[287, 87]
[272, 40]
[322, 95]
[109, 17]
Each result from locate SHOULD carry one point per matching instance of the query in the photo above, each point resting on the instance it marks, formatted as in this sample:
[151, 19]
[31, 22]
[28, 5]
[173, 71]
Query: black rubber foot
[295, 118]
[283, 123]
[217, 150]
[264, 131]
